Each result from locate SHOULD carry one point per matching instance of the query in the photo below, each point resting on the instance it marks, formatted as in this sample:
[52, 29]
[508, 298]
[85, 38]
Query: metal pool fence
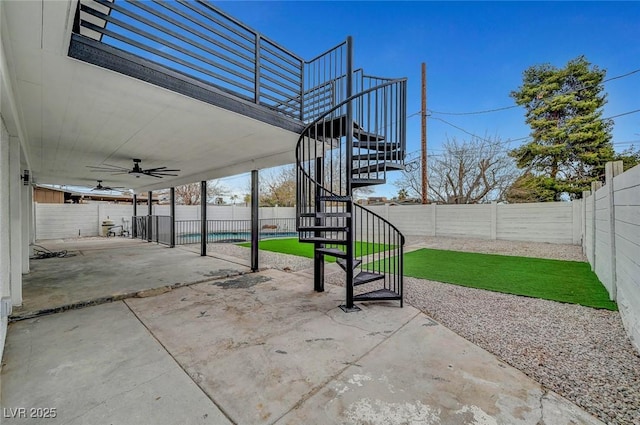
[188, 231]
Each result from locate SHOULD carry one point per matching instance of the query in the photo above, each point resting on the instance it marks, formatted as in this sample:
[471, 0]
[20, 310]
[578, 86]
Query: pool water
[230, 237]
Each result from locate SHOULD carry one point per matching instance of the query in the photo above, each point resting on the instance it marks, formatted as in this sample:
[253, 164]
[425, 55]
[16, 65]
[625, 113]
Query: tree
[189, 194]
[468, 172]
[278, 188]
[530, 188]
[629, 157]
[571, 142]
[402, 195]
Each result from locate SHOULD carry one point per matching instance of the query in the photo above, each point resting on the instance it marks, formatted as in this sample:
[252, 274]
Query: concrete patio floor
[107, 269]
[261, 348]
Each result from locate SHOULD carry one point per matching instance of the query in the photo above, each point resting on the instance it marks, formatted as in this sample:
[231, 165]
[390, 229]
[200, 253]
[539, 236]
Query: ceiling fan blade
[165, 174]
[153, 175]
[159, 170]
[107, 167]
[111, 172]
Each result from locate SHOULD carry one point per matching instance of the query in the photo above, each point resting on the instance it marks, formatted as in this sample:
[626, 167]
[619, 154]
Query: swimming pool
[229, 237]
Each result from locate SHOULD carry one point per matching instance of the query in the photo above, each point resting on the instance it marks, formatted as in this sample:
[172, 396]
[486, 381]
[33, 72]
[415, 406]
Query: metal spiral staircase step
[376, 168]
[376, 146]
[337, 127]
[326, 214]
[366, 277]
[315, 228]
[320, 239]
[334, 252]
[379, 156]
[355, 183]
[335, 198]
[343, 263]
[378, 295]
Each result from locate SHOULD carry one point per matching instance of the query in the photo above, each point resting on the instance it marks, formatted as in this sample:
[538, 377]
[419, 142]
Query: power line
[506, 142]
[486, 111]
[622, 114]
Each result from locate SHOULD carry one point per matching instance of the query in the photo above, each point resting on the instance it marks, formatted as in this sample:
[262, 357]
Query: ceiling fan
[137, 171]
[101, 187]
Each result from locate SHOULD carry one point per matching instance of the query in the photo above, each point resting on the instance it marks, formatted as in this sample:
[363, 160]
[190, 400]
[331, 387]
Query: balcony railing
[200, 41]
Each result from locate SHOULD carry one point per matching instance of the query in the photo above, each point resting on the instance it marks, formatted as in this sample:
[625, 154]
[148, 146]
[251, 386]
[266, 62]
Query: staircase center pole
[318, 259]
[348, 167]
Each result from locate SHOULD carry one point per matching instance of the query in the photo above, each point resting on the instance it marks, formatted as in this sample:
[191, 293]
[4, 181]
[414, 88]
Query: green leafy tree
[630, 157]
[530, 188]
[571, 142]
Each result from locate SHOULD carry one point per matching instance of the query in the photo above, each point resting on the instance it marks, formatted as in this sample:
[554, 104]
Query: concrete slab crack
[198, 384]
[541, 400]
[326, 382]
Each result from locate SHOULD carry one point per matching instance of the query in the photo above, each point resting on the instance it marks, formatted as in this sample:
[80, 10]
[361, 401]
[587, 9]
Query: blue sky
[475, 54]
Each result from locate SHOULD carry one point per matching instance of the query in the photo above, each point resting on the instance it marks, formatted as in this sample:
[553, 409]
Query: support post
[493, 231]
[203, 218]
[349, 306]
[27, 205]
[5, 221]
[134, 222]
[318, 258]
[611, 170]
[172, 213]
[149, 215]
[15, 235]
[585, 195]
[255, 231]
[594, 188]
[423, 139]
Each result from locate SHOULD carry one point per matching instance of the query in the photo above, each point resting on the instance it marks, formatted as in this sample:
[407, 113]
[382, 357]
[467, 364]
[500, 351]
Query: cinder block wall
[612, 241]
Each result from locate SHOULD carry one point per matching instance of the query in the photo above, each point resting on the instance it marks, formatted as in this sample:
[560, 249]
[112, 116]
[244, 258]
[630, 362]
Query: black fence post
[255, 230]
[134, 229]
[203, 218]
[149, 215]
[172, 229]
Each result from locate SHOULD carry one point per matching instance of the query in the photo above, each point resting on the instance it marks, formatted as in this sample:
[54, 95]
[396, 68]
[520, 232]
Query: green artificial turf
[565, 281]
[294, 247]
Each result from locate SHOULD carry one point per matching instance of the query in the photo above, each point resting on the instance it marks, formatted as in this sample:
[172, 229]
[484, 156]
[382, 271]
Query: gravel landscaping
[579, 352]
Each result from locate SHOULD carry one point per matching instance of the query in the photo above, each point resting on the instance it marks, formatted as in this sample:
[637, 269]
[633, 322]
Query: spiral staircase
[351, 145]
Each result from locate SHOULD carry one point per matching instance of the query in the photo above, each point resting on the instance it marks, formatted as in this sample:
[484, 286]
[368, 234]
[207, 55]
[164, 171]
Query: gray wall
[612, 242]
[59, 221]
[552, 222]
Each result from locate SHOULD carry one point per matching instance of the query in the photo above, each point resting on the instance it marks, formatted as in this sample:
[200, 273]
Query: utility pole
[425, 181]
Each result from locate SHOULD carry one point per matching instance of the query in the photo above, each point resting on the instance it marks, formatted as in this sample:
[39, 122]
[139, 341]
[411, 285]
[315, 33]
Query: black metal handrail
[336, 131]
[354, 144]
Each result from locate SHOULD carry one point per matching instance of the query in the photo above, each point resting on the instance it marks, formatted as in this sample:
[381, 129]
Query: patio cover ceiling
[74, 114]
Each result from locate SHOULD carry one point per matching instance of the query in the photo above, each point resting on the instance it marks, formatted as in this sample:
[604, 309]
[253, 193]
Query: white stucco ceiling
[75, 114]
